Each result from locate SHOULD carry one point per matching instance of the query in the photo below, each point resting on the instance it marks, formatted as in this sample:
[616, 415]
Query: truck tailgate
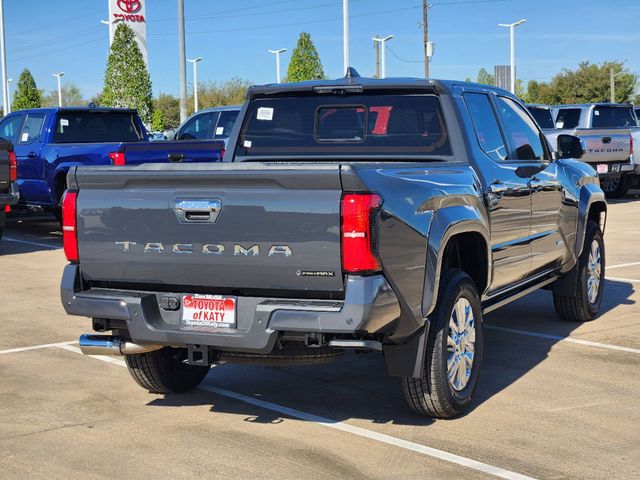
[223, 228]
[605, 145]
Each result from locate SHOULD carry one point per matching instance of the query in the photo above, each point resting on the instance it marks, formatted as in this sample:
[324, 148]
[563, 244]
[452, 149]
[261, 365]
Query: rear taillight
[13, 167]
[118, 158]
[69, 226]
[630, 144]
[358, 210]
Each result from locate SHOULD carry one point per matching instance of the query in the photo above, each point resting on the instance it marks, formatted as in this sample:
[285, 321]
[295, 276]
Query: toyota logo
[129, 6]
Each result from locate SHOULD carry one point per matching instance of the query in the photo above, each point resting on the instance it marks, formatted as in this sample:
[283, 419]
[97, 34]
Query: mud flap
[407, 359]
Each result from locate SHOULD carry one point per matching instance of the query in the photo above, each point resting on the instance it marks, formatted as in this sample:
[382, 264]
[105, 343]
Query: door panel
[30, 163]
[507, 196]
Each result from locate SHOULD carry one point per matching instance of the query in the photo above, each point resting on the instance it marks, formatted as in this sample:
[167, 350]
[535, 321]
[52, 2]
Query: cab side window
[10, 127]
[486, 125]
[198, 128]
[524, 136]
[32, 128]
[568, 118]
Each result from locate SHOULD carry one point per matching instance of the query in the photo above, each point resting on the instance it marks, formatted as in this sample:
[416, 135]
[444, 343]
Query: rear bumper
[10, 198]
[370, 306]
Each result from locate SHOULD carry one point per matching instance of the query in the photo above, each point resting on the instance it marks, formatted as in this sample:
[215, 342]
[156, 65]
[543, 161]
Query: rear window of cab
[350, 125]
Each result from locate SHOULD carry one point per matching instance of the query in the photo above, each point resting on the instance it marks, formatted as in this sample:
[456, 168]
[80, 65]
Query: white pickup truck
[609, 131]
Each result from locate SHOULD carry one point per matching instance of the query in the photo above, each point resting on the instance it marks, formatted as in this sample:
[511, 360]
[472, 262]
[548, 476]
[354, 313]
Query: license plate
[209, 311]
[602, 168]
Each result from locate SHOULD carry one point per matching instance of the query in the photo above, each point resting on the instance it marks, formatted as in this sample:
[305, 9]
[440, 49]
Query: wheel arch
[456, 235]
[592, 206]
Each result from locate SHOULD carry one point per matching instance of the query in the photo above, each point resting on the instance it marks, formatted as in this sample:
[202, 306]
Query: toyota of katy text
[354, 214]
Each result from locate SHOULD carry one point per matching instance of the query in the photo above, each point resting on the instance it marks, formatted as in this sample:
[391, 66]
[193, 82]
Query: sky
[233, 37]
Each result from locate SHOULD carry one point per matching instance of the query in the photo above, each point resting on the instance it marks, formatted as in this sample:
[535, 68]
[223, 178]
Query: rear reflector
[358, 255]
[69, 226]
[118, 158]
[7, 208]
[13, 167]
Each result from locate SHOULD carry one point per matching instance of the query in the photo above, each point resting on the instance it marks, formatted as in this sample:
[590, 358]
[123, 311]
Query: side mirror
[570, 146]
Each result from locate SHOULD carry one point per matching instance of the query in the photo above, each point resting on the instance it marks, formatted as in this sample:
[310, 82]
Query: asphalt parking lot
[556, 399]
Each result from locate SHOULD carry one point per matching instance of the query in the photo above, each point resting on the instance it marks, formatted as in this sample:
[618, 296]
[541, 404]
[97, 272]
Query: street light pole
[277, 54]
[9, 80]
[182, 62]
[3, 61]
[345, 34]
[195, 81]
[384, 55]
[512, 41]
[59, 76]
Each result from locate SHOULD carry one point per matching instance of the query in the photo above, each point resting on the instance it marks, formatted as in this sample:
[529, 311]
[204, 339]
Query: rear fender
[447, 223]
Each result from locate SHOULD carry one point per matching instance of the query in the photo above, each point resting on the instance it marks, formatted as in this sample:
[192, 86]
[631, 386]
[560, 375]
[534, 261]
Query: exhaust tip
[112, 345]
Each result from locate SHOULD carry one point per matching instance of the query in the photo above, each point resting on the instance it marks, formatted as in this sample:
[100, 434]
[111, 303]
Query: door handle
[176, 157]
[32, 155]
[497, 187]
[198, 211]
[535, 183]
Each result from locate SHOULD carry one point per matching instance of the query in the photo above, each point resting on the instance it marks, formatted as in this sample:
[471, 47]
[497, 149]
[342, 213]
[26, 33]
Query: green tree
[126, 80]
[157, 122]
[305, 62]
[588, 83]
[71, 97]
[213, 94]
[168, 108]
[27, 94]
[485, 77]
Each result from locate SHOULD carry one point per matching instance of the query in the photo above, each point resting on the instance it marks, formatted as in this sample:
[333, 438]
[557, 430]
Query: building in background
[134, 14]
[502, 76]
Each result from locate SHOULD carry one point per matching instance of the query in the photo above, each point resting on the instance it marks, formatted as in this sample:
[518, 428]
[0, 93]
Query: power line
[402, 59]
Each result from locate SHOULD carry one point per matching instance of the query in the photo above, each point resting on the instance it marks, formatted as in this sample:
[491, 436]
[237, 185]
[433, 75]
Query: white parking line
[36, 244]
[345, 427]
[625, 280]
[622, 265]
[37, 347]
[559, 338]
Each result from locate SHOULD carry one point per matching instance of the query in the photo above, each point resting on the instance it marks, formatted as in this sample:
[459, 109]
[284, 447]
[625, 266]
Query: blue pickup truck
[49, 141]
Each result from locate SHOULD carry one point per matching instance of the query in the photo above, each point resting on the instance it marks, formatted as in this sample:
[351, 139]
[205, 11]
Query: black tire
[616, 187]
[433, 395]
[165, 371]
[578, 307]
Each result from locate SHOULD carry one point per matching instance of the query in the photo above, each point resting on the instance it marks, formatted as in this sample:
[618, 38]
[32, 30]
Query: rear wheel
[454, 351]
[616, 187]
[585, 302]
[165, 371]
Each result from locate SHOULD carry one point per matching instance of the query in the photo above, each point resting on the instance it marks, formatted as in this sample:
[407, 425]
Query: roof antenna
[352, 73]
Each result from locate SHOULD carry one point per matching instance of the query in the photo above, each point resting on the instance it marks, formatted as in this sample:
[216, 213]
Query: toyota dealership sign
[134, 14]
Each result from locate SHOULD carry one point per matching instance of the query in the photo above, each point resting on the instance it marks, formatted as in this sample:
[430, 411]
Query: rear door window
[612, 117]
[353, 125]
[32, 128]
[542, 116]
[486, 125]
[225, 123]
[97, 127]
[568, 118]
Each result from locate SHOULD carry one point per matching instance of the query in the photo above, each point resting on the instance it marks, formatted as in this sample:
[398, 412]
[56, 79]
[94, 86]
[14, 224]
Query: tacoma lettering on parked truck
[362, 214]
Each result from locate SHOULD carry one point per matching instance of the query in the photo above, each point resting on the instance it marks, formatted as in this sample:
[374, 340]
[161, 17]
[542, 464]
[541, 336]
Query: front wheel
[165, 371]
[584, 303]
[454, 351]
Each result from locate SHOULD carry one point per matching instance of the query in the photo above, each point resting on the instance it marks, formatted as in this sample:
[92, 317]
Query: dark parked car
[360, 214]
[8, 176]
[211, 123]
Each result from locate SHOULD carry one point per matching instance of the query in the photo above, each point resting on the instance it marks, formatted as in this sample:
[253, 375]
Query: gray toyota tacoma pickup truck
[362, 214]
[8, 176]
